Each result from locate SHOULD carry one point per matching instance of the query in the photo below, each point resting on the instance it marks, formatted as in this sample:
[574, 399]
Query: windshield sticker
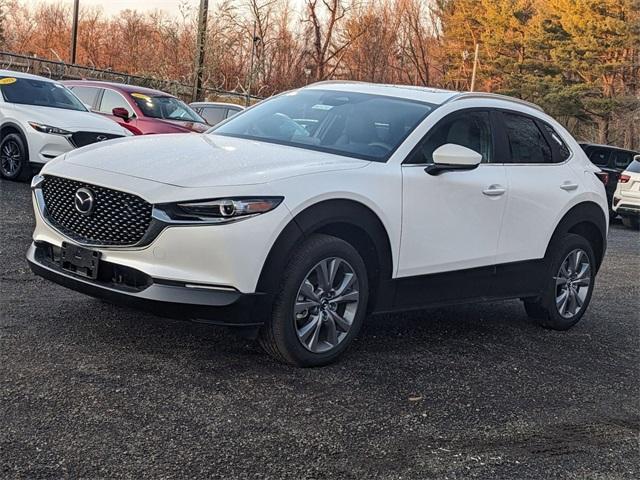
[141, 96]
[322, 107]
[7, 81]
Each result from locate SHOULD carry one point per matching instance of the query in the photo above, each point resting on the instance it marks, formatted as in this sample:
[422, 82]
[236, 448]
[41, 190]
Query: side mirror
[121, 112]
[453, 157]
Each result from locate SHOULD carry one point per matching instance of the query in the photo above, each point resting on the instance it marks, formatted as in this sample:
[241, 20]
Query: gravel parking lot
[97, 391]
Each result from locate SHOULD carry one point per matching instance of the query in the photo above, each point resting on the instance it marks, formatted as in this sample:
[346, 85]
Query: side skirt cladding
[495, 282]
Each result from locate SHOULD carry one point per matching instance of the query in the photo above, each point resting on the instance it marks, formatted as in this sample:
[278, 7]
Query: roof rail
[497, 96]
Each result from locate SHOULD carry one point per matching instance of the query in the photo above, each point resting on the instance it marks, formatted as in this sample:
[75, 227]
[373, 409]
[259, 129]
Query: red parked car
[140, 110]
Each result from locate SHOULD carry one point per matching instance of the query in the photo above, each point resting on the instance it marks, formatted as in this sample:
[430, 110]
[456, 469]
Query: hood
[72, 120]
[205, 160]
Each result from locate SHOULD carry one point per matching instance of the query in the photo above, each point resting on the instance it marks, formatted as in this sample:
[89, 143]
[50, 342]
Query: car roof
[11, 73]
[611, 147]
[119, 86]
[216, 104]
[425, 94]
[413, 92]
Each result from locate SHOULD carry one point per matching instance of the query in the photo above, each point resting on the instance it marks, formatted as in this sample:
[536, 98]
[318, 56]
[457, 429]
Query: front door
[452, 221]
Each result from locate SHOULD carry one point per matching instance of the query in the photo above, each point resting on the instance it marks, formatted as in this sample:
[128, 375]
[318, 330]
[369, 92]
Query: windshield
[41, 93]
[358, 125]
[168, 108]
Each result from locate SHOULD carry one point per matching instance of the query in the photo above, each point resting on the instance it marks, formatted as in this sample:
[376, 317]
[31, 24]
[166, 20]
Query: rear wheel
[320, 306]
[14, 159]
[570, 281]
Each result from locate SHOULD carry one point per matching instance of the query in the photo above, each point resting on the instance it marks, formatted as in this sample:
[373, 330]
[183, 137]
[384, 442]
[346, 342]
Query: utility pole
[200, 48]
[475, 67]
[254, 41]
[74, 30]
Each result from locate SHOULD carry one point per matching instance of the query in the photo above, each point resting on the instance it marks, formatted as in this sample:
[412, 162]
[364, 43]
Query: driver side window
[471, 129]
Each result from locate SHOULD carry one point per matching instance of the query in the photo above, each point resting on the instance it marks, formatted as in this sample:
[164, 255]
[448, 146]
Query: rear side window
[562, 149]
[232, 111]
[88, 95]
[471, 129]
[622, 159]
[213, 115]
[527, 144]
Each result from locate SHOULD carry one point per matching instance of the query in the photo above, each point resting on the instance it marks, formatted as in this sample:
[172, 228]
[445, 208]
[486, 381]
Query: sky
[111, 7]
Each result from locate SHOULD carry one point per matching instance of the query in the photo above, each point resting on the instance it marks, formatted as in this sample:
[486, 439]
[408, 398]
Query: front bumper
[44, 147]
[161, 297]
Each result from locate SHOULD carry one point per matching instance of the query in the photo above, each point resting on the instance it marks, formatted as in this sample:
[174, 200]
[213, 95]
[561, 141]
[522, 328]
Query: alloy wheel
[10, 159]
[326, 305]
[572, 283]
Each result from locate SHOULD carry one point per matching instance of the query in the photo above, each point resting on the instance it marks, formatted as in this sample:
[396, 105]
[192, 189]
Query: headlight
[48, 129]
[220, 210]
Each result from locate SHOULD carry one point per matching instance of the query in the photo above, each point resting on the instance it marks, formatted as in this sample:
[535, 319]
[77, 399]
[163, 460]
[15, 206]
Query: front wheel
[570, 281]
[14, 159]
[320, 306]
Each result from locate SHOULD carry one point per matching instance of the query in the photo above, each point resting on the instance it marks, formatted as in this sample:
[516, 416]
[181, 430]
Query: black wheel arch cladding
[349, 220]
[587, 220]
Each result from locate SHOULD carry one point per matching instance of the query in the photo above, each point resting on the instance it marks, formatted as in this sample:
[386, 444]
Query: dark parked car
[613, 161]
[215, 112]
[140, 110]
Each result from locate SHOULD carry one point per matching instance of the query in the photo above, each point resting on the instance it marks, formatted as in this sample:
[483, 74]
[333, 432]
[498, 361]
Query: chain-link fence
[64, 71]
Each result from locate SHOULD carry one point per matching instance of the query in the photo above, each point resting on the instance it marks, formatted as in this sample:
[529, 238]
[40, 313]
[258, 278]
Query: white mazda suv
[41, 119]
[295, 220]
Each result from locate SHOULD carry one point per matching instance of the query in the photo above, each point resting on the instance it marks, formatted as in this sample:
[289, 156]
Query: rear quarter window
[562, 150]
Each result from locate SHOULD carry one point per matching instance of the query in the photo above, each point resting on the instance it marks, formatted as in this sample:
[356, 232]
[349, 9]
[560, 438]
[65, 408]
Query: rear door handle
[568, 186]
[494, 190]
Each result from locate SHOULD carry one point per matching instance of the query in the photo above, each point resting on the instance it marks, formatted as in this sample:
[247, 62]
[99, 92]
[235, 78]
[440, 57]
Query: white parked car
[626, 198]
[216, 112]
[41, 119]
[393, 198]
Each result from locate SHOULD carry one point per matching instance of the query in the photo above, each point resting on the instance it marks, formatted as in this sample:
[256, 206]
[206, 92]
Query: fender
[588, 220]
[13, 125]
[347, 219]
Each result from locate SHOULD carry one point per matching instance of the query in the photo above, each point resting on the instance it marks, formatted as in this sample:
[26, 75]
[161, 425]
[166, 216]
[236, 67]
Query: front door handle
[494, 190]
[568, 186]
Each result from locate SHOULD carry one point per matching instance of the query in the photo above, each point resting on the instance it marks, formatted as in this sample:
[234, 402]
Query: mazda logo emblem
[102, 138]
[84, 201]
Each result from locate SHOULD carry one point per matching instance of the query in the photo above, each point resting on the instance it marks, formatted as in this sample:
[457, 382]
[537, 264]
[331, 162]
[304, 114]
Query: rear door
[540, 183]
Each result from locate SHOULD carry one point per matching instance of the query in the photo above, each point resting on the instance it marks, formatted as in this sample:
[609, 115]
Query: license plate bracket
[79, 260]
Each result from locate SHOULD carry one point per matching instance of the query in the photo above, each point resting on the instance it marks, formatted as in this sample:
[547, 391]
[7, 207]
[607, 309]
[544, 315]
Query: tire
[14, 158]
[303, 310]
[631, 222]
[553, 309]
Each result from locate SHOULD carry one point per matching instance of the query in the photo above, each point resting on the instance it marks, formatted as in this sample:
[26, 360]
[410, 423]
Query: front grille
[80, 139]
[117, 219]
